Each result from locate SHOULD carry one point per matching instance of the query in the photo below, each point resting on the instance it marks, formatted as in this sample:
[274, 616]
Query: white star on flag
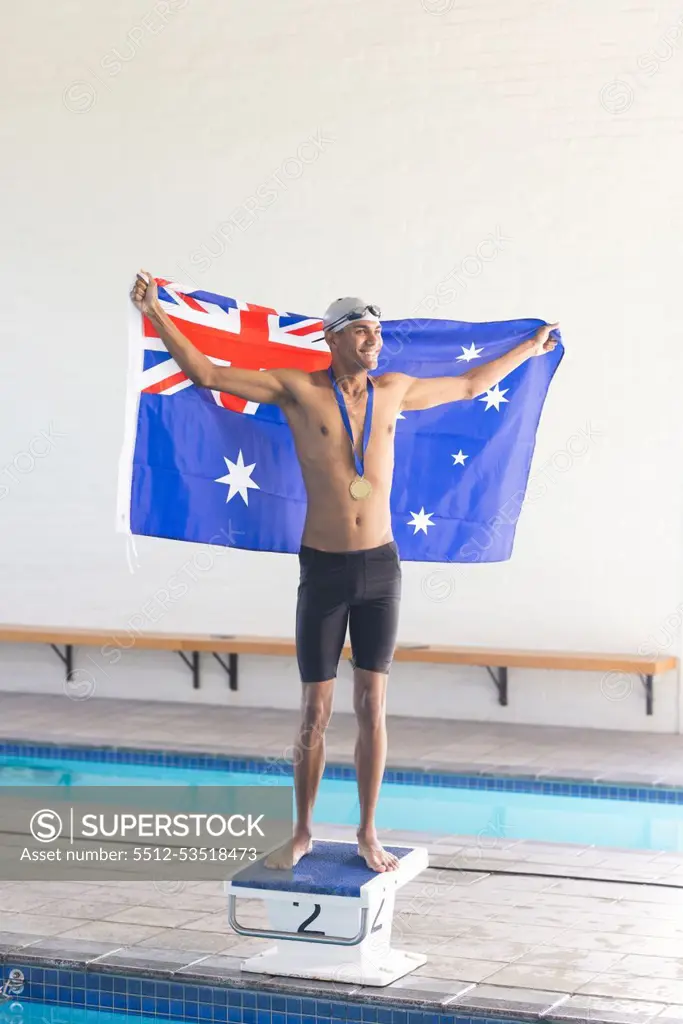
[470, 353]
[239, 478]
[493, 398]
[459, 459]
[421, 520]
[400, 416]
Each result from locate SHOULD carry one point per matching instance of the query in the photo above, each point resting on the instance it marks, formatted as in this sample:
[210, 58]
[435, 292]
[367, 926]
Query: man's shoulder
[291, 375]
[301, 385]
[392, 380]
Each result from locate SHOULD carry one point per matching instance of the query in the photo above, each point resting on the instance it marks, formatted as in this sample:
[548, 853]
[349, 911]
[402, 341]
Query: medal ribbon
[359, 460]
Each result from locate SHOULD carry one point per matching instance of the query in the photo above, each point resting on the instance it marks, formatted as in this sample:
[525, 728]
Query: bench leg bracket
[193, 666]
[230, 668]
[500, 679]
[67, 656]
[647, 682]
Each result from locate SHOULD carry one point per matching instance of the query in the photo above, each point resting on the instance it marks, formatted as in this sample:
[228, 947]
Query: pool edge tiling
[478, 777]
[230, 997]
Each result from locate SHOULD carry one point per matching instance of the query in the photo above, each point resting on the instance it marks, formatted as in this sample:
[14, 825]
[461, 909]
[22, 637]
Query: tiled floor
[524, 928]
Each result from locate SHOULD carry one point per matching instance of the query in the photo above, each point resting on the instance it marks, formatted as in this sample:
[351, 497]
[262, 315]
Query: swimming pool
[491, 809]
[135, 1000]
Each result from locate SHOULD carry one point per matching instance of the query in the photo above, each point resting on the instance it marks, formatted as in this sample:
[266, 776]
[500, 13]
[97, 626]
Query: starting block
[331, 916]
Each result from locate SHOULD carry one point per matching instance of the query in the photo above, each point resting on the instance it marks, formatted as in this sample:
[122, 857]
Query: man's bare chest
[320, 431]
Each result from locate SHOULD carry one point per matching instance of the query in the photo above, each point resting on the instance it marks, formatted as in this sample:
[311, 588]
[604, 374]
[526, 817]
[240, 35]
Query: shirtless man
[343, 425]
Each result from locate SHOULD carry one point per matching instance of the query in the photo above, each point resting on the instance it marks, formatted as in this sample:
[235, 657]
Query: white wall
[138, 133]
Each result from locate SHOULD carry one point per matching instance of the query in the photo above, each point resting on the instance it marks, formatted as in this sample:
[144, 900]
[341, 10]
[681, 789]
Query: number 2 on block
[303, 926]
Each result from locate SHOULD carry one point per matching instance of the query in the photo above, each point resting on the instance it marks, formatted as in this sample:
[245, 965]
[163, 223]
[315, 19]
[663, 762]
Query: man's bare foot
[291, 853]
[373, 853]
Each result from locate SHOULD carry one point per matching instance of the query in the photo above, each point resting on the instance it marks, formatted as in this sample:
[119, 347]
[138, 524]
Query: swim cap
[343, 311]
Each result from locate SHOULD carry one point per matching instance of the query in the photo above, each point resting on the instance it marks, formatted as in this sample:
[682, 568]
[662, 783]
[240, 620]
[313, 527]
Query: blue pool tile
[603, 791]
[177, 1007]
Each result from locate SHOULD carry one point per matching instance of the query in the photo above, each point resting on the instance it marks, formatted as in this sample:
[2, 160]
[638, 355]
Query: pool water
[29, 1012]
[491, 815]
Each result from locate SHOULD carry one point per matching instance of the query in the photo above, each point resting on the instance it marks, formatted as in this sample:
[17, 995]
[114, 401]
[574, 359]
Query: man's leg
[373, 624]
[316, 711]
[322, 614]
[369, 701]
[309, 764]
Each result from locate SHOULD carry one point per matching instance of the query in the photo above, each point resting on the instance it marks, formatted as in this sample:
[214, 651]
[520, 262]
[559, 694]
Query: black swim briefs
[361, 589]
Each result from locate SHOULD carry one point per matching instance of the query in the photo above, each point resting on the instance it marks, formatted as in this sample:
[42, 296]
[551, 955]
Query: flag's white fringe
[132, 554]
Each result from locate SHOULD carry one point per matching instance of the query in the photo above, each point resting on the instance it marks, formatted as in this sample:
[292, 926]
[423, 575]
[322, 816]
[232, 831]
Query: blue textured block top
[330, 869]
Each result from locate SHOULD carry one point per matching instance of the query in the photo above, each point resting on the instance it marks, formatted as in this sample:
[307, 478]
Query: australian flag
[204, 466]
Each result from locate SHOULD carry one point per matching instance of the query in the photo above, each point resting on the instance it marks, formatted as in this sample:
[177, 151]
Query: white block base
[377, 970]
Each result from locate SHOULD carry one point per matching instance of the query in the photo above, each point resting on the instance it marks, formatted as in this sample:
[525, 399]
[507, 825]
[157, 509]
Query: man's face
[359, 343]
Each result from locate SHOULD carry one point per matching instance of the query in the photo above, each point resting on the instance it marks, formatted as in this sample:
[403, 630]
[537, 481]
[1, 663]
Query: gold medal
[360, 488]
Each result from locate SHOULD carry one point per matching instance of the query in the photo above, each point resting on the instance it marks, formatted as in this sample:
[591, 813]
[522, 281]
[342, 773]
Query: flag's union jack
[229, 333]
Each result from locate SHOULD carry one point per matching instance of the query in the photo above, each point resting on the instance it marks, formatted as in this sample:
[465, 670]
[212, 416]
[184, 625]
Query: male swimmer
[343, 423]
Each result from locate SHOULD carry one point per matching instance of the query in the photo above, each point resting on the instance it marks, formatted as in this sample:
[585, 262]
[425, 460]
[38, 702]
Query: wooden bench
[497, 662]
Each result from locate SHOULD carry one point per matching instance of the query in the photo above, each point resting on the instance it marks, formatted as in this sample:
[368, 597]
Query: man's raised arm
[267, 386]
[428, 392]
